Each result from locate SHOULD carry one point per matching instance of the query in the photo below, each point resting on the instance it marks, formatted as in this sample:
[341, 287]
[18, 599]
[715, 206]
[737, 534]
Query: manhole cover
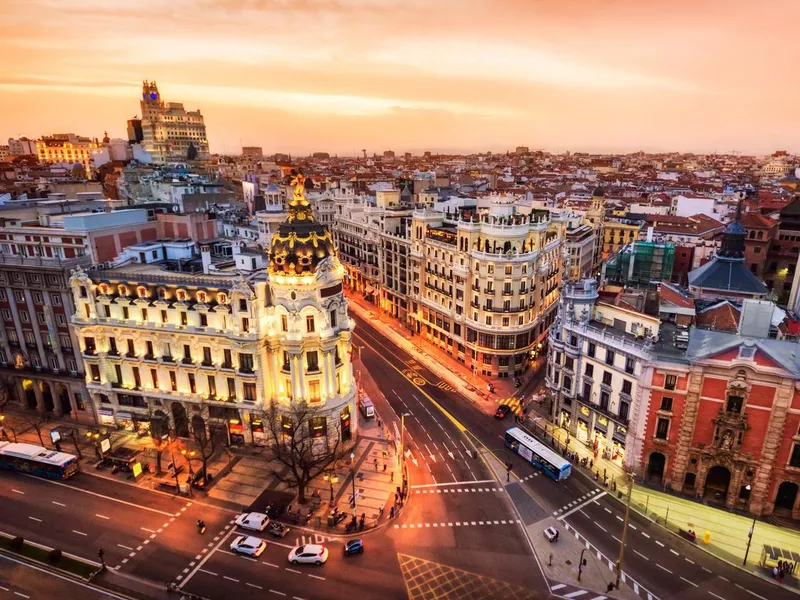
[568, 562]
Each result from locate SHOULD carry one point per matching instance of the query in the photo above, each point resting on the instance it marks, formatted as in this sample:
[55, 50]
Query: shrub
[17, 542]
[54, 555]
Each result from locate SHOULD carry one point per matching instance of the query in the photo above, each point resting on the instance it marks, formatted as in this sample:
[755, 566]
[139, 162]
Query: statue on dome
[299, 183]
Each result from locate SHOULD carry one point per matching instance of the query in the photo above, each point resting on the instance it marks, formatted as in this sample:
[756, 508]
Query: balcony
[167, 359]
[488, 290]
[508, 292]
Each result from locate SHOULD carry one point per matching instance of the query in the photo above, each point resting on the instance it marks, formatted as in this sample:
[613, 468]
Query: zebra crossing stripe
[557, 587]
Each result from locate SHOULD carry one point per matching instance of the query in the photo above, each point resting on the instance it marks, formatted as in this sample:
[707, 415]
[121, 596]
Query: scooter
[201, 527]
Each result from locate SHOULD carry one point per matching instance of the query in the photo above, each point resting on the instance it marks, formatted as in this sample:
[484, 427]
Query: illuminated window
[310, 324]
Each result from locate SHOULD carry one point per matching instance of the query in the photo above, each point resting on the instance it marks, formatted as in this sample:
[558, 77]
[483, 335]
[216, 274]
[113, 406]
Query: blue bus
[552, 464]
[35, 460]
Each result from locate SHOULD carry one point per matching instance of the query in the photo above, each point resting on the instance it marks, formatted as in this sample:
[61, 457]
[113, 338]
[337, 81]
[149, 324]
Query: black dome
[300, 244]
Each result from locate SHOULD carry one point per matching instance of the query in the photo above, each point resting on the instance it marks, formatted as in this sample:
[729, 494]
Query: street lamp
[331, 479]
[624, 529]
[3, 427]
[749, 533]
[353, 472]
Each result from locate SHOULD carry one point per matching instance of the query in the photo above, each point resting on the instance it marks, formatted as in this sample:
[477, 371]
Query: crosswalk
[564, 590]
[444, 386]
[459, 490]
[457, 524]
[514, 403]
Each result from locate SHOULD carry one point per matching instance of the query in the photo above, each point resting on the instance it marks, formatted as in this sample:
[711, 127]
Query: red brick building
[761, 231]
[724, 427]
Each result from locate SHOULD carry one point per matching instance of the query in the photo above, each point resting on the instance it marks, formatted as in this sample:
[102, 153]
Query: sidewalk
[458, 376]
[728, 532]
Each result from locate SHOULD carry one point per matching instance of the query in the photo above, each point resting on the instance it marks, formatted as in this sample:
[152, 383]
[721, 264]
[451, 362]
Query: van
[367, 408]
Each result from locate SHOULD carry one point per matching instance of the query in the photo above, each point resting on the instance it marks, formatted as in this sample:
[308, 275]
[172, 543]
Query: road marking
[608, 510]
[749, 591]
[601, 527]
[687, 581]
[35, 519]
[258, 587]
[706, 570]
[316, 577]
[21, 594]
[230, 579]
[293, 571]
[580, 506]
[79, 532]
[664, 568]
[645, 535]
[102, 516]
[659, 543]
[715, 595]
[689, 560]
[146, 529]
[277, 592]
[205, 558]
[5, 589]
[575, 594]
[126, 547]
[642, 555]
[632, 526]
[557, 587]
[59, 503]
[616, 538]
[619, 518]
[17, 491]
[434, 485]
[724, 578]
[271, 565]
[77, 489]
[673, 551]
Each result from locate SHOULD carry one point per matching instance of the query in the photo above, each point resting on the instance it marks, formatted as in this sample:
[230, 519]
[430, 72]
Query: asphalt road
[657, 561]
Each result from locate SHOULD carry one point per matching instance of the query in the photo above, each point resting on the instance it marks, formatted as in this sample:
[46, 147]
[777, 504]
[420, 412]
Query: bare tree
[207, 444]
[6, 392]
[292, 445]
[34, 420]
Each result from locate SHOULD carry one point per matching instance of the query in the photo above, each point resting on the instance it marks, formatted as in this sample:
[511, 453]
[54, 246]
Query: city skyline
[339, 76]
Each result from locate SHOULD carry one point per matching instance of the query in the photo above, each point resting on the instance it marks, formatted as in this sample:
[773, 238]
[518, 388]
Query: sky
[443, 75]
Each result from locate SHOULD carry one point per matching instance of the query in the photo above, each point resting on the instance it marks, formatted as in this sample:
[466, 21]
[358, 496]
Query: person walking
[384, 467]
[380, 511]
[375, 462]
[391, 512]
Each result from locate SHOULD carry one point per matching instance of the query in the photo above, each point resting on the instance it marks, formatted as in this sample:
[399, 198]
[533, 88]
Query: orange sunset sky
[441, 75]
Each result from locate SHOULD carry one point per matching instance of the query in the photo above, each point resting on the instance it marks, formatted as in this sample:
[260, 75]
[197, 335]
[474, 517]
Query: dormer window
[123, 290]
[747, 352]
[181, 295]
[103, 289]
[141, 291]
[222, 298]
[734, 404]
[202, 297]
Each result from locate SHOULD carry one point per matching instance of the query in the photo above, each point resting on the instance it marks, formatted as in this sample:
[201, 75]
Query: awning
[108, 412]
[125, 415]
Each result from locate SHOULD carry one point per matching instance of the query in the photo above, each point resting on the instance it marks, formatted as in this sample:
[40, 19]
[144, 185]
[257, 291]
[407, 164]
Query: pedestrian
[591, 463]
[384, 467]
[376, 464]
[380, 424]
[396, 497]
[391, 513]
[391, 477]
[380, 511]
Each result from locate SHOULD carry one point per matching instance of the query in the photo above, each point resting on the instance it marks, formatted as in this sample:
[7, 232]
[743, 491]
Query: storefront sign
[105, 445]
[136, 468]
[55, 436]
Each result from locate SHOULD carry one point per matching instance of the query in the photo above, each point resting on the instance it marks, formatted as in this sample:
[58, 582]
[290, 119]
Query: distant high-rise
[169, 130]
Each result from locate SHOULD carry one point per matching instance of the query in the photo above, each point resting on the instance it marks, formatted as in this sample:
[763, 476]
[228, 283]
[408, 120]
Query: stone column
[12, 303]
[680, 457]
[39, 396]
[294, 359]
[761, 502]
[36, 333]
[69, 310]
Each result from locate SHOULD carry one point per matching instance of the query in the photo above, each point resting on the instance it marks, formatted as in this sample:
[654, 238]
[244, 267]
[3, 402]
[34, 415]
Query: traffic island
[48, 557]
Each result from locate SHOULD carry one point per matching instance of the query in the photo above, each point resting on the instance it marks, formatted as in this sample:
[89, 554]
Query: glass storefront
[257, 429]
[125, 421]
[583, 431]
[106, 416]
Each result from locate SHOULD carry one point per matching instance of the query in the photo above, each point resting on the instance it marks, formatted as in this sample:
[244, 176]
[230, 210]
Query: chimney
[649, 234]
[205, 253]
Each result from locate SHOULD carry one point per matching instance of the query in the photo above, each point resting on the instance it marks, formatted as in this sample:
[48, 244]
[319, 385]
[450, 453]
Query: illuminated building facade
[168, 129]
[67, 149]
[215, 349]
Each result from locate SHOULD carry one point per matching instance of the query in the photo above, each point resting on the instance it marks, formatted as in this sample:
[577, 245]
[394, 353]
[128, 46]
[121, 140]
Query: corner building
[485, 286]
[177, 352]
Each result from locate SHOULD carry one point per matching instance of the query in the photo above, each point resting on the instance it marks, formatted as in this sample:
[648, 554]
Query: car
[502, 411]
[354, 547]
[310, 553]
[253, 521]
[551, 534]
[247, 544]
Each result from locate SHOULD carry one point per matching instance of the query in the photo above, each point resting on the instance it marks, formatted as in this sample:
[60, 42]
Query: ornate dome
[300, 244]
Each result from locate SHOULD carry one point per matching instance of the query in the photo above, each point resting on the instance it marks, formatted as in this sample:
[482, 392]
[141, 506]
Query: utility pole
[624, 529]
[749, 539]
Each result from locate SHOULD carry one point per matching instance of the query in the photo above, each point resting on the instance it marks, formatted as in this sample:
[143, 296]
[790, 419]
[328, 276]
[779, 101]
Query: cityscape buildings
[169, 130]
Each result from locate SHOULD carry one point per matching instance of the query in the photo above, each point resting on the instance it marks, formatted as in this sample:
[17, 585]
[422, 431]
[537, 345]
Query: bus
[35, 460]
[536, 453]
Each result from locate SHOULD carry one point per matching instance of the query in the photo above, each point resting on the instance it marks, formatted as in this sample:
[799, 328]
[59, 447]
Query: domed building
[311, 332]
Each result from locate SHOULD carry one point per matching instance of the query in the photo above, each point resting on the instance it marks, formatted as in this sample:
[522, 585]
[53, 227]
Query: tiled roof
[722, 316]
[674, 296]
[755, 220]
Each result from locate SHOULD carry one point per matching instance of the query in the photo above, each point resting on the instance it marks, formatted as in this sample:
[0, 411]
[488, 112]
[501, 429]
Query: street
[461, 530]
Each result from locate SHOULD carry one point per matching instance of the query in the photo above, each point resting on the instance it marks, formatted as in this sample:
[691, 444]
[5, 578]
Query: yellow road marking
[444, 411]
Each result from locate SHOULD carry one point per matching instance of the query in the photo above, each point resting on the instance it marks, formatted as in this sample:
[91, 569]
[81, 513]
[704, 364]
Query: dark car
[502, 411]
[353, 547]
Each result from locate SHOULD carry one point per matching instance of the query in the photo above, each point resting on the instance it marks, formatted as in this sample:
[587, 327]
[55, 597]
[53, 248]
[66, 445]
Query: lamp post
[624, 529]
[353, 479]
[749, 533]
[3, 427]
[331, 479]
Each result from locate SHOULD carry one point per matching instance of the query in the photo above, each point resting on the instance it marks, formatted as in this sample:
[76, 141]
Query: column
[35, 326]
[39, 396]
[69, 310]
[12, 302]
[296, 379]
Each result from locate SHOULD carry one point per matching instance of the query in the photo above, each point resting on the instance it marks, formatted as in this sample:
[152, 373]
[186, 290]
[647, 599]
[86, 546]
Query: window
[734, 404]
[284, 323]
[192, 383]
[310, 324]
[20, 296]
[630, 365]
[666, 403]
[242, 304]
[662, 428]
[3, 295]
[624, 409]
[508, 269]
[604, 400]
[206, 356]
[61, 319]
[106, 310]
[144, 314]
[187, 353]
[65, 341]
[312, 360]
[227, 361]
[37, 297]
[54, 363]
[610, 357]
[591, 350]
[167, 353]
[333, 318]
[567, 383]
[670, 382]
[95, 372]
[607, 377]
[245, 363]
[626, 387]
[184, 318]
[23, 314]
[118, 373]
[589, 371]
[131, 348]
[231, 388]
[154, 377]
[125, 313]
[488, 319]
[794, 459]
[6, 314]
[249, 391]
[56, 299]
[137, 381]
[211, 382]
[313, 391]
[88, 343]
[203, 320]
[164, 316]
[245, 324]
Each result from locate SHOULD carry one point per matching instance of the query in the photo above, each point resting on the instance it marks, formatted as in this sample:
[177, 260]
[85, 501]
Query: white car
[253, 521]
[246, 544]
[310, 553]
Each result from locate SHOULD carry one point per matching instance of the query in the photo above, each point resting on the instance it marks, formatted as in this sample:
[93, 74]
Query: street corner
[571, 565]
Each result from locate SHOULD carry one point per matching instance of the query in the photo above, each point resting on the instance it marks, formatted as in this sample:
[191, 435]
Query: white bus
[35, 460]
[539, 455]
